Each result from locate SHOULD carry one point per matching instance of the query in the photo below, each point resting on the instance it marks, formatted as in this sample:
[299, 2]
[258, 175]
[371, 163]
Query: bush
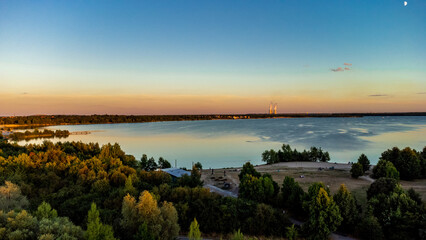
[357, 170]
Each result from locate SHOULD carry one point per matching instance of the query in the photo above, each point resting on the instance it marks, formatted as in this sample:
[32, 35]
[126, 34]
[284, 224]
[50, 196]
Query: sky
[202, 57]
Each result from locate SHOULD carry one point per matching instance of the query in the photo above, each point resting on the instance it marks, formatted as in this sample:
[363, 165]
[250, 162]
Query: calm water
[230, 143]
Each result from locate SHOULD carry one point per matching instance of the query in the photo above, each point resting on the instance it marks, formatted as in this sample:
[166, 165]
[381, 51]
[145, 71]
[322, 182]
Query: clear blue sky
[103, 56]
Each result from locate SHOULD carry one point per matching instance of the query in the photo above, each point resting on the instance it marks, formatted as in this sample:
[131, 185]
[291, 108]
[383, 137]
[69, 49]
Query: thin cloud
[378, 95]
[24, 93]
[339, 69]
[421, 93]
[347, 69]
[347, 64]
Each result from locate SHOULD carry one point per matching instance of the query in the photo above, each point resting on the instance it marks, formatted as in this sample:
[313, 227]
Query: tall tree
[363, 160]
[194, 231]
[348, 208]
[95, 229]
[324, 216]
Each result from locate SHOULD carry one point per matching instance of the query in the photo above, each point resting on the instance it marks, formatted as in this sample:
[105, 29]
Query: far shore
[59, 120]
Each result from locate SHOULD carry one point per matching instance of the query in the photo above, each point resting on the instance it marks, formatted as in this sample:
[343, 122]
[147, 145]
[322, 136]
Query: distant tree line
[286, 154]
[102, 119]
[46, 133]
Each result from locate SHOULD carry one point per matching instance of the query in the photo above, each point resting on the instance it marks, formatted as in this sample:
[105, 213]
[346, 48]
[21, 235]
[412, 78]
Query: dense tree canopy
[73, 190]
[286, 154]
[406, 161]
[385, 169]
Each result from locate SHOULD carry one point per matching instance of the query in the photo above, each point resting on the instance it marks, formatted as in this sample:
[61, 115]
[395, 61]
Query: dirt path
[220, 191]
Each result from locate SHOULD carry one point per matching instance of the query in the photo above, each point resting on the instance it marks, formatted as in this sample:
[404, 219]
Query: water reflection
[225, 143]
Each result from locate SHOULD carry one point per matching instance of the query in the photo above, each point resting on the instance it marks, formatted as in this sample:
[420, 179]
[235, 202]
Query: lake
[231, 143]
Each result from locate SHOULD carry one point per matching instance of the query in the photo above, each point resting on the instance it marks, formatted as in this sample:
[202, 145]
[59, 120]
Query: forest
[74, 190]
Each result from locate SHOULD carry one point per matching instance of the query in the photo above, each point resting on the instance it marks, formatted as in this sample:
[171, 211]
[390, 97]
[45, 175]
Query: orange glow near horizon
[200, 104]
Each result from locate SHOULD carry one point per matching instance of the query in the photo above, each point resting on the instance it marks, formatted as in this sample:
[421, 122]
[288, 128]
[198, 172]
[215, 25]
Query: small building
[176, 172]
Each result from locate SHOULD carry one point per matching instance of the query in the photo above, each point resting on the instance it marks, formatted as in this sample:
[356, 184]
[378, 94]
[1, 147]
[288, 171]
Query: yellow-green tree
[161, 223]
[348, 208]
[194, 231]
[324, 216]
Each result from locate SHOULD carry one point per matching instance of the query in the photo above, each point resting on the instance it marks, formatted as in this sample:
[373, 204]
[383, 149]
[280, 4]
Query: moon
[405, 3]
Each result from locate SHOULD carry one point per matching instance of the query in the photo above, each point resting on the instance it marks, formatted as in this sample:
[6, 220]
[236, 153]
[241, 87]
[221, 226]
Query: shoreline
[106, 119]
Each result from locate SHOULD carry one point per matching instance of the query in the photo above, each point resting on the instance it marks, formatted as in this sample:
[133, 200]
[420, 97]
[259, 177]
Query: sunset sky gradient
[195, 57]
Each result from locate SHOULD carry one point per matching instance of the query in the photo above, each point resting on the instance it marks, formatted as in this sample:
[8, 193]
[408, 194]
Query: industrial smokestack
[275, 108]
[270, 108]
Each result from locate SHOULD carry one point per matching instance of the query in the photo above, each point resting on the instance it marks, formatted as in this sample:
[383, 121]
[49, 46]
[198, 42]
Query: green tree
[382, 186]
[194, 231]
[363, 160]
[347, 207]
[270, 156]
[248, 168]
[369, 228]
[151, 165]
[252, 188]
[287, 153]
[44, 210]
[144, 162]
[143, 233]
[163, 163]
[291, 232]
[95, 229]
[407, 162]
[238, 235]
[198, 165]
[59, 228]
[324, 216]
[128, 186]
[18, 225]
[161, 223]
[356, 170]
[385, 169]
[292, 195]
[170, 227]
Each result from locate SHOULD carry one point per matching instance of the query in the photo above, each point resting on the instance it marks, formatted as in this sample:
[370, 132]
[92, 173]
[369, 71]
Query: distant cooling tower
[273, 108]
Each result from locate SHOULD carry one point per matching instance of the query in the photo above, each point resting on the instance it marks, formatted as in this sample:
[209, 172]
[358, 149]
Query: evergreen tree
[93, 223]
[194, 231]
[95, 229]
[363, 160]
[163, 163]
